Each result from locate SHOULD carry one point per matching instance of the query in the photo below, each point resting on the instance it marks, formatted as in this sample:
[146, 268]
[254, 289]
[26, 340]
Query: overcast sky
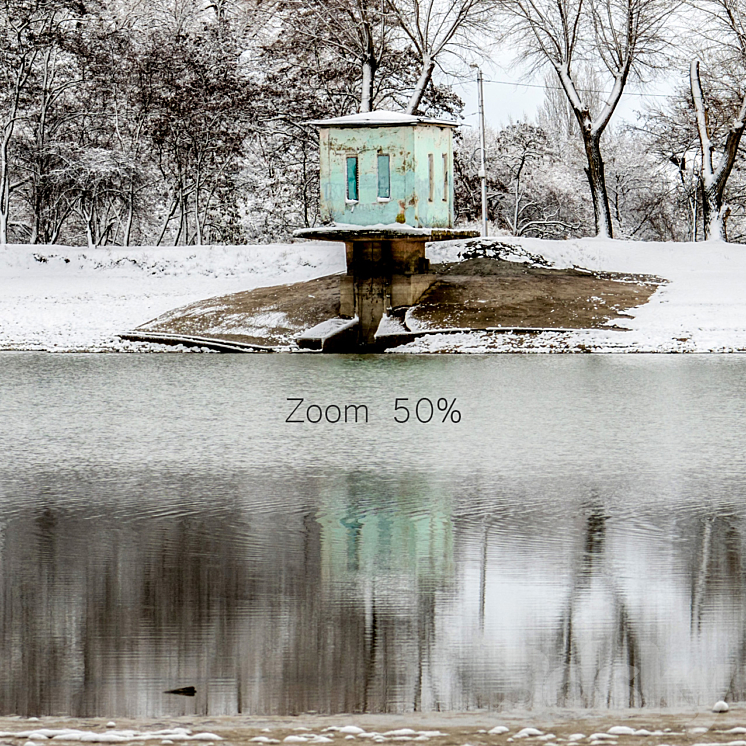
[510, 95]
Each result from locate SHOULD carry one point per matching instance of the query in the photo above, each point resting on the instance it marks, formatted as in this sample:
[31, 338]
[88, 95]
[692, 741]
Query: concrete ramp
[188, 340]
[332, 335]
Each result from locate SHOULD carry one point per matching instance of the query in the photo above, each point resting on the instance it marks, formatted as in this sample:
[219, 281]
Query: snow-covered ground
[58, 298]
[702, 307]
[67, 299]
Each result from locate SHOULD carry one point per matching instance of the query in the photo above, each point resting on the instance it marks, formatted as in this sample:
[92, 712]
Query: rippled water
[576, 539]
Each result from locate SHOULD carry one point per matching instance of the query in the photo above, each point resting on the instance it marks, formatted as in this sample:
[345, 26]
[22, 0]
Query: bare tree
[619, 37]
[727, 28]
[436, 26]
[357, 29]
[24, 31]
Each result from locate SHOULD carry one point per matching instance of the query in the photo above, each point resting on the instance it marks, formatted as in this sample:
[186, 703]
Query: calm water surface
[577, 539]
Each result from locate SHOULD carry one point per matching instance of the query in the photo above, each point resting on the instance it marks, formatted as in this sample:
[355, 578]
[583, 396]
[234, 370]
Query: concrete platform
[343, 232]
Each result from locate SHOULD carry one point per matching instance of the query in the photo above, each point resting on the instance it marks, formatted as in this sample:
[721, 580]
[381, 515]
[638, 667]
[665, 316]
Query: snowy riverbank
[701, 308]
[71, 299]
[57, 298]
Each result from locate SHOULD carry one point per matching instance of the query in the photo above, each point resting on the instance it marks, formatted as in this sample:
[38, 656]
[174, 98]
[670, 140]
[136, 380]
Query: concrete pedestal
[386, 268]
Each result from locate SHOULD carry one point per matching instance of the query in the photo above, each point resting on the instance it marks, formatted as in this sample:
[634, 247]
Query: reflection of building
[390, 548]
[408, 538]
[387, 167]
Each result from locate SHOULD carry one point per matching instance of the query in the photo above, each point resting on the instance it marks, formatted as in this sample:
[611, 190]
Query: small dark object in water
[185, 691]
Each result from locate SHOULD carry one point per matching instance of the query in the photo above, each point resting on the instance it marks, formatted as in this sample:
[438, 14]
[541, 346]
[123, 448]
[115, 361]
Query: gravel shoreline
[591, 728]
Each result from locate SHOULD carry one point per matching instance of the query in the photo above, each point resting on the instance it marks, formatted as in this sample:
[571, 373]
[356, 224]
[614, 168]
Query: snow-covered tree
[616, 38]
[199, 105]
[669, 133]
[357, 31]
[434, 27]
[724, 36]
[34, 74]
[644, 191]
[530, 189]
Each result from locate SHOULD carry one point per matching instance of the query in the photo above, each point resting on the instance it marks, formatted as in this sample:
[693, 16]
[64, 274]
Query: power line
[558, 88]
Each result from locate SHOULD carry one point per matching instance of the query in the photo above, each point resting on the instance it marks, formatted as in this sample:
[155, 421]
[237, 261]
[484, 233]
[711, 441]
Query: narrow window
[352, 178]
[384, 177]
[445, 177]
[431, 175]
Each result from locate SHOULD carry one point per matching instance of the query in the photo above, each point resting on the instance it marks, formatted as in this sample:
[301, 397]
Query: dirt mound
[486, 292]
[476, 293]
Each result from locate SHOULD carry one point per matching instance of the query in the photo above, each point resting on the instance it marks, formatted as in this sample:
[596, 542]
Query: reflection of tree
[102, 613]
[425, 640]
[699, 577]
[717, 567]
[717, 584]
[623, 647]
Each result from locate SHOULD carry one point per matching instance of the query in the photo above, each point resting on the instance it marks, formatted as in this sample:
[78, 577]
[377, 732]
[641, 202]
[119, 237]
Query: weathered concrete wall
[339, 143]
[435, 142]
[408, 148]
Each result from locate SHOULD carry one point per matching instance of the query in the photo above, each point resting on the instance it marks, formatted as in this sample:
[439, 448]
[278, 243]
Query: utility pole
[482, 169]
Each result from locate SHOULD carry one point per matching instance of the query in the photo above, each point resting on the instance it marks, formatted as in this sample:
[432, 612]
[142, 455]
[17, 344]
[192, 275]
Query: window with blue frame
[352, 183]
[384, 177]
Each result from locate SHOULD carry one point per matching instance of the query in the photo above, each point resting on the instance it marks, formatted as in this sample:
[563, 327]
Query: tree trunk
[197, 223]
[130, 218]
[714, 212]
[89, 229]
[5, 183]
[426, 75]
[183, 216]
[21, 75]
[712, 180]
[591, 131]
[40, 157]
[516, 205]
[169, 217]
[369, 77]
[597, 181]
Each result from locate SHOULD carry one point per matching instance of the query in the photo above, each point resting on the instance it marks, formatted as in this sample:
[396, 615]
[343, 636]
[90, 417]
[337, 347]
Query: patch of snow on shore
[111, 736]
[57, 298]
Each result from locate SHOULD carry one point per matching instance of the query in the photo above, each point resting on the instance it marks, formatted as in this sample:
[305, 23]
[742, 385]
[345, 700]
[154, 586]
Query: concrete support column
[386, 268]
[382, 274]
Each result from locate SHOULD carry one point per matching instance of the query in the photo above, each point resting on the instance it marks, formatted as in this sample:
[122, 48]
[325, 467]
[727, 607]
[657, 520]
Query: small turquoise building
[383, 168]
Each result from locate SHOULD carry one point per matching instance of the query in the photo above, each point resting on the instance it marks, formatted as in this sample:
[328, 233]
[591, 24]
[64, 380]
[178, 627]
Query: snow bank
[111, 736]
[58, 298]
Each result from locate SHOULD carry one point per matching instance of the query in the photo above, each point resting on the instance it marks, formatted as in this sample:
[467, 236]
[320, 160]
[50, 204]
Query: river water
[576, 539]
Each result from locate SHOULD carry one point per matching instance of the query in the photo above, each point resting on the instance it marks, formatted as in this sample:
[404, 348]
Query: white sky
[511, 99]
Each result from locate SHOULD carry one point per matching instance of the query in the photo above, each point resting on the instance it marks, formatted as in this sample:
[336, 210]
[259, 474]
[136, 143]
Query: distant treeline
[186, 121]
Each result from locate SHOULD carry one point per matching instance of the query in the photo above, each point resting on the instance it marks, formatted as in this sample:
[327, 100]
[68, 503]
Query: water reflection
[346, 580]
[377, 595]
[622, 645]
